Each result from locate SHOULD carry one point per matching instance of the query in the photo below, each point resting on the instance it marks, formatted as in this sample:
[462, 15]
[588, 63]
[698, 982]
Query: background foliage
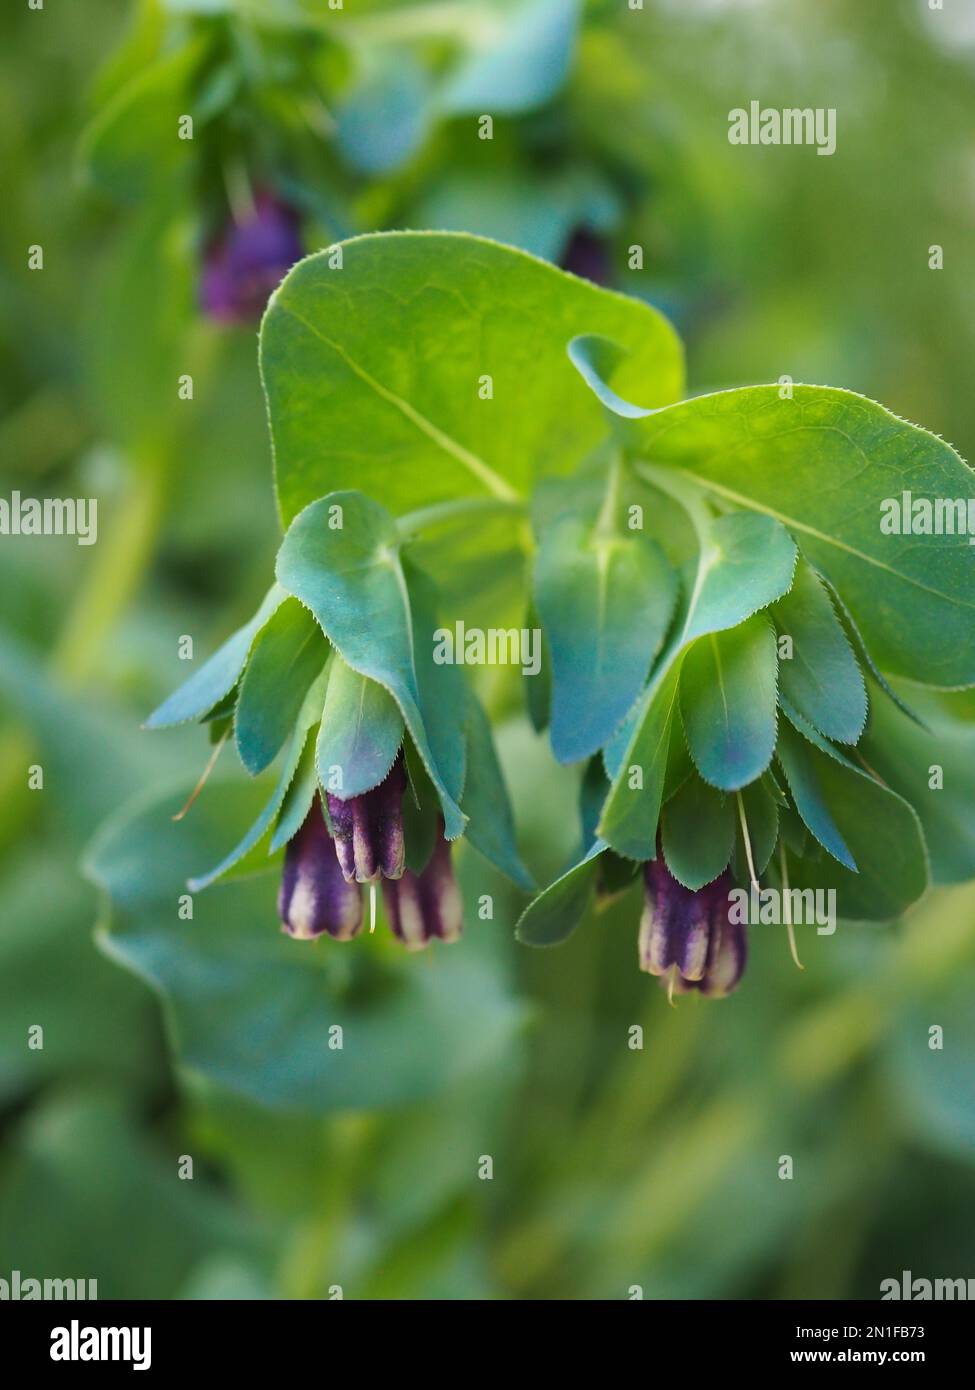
[612, 1167]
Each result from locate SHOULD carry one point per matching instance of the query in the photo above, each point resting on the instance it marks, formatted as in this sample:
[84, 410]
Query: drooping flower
[368, 829]
[586, 255]
[248, 259]
[428, 904]
[687, 937]
[315, 897]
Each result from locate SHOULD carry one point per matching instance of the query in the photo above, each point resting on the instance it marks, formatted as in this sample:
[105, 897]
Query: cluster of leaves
[722, 615]
[351, 114]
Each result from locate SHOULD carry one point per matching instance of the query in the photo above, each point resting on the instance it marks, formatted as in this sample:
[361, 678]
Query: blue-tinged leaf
[297, 800]
[879, 830]
[205, 689]
[360, 735]
[341, 558]
[287, 656]
[805, 783]
[246, 856]
[557, 911]
[605, 601]
[490, 826]
[517, 63]
[697, 833]
[629, 818]
[821, 678]
[727, 702]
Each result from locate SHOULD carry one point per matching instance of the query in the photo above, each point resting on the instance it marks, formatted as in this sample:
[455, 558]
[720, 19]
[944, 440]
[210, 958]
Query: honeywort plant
[761, 684]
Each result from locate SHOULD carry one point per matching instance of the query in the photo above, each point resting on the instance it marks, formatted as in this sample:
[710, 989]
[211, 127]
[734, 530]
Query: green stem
[460, 509]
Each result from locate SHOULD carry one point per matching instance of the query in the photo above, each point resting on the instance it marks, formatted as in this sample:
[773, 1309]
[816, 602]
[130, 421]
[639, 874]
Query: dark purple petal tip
[314, 897]
[687, 937]
[368, 829]
[426, 905]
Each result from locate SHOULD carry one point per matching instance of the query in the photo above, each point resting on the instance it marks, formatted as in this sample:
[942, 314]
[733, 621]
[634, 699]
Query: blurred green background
[613, 1167]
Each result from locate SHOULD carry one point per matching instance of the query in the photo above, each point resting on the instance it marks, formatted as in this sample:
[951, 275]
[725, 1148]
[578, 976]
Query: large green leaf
[252, 1011]
[341, 559]
[605, 600]
[372, 371]
[727, 703]
[821, 678]
[822, 463]
[361, 732]
[286, 657]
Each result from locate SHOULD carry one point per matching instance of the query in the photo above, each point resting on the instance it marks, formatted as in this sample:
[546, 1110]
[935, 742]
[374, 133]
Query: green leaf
[206, 688]
[351, 577]
[297, 799]
[132, 146]
[248, 855]
[249, 1010]
[822, 679]
[909, 758]
[801, 771]
[629, 818]
[697, 833]
[605, 601]
[557, 911]
[823, 463]
[360, 734]
[741, 567]
[538, 687]
[490, 826]
[884, 838]
[520, 65]
[372, 371]
[747, 563]
[385, 117]
[287, 655]
[727, 702]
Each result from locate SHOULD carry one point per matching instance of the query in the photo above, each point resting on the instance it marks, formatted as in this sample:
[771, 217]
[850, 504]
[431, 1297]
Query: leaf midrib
[478, 469]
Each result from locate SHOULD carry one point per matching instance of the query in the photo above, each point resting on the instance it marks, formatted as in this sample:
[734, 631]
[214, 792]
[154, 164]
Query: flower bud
[368, 829]
[586, 256]
[249, 259]
[686, 936]
[426, 905]
[314, 896]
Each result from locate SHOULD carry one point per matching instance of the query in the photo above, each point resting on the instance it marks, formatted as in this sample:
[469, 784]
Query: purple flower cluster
[324, 870]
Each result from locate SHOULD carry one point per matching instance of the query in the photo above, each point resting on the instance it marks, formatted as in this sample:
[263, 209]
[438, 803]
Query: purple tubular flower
[249, 259]
[687, 937]
[586, 256]
[314, 896]
[426, 905]
[368, 829]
